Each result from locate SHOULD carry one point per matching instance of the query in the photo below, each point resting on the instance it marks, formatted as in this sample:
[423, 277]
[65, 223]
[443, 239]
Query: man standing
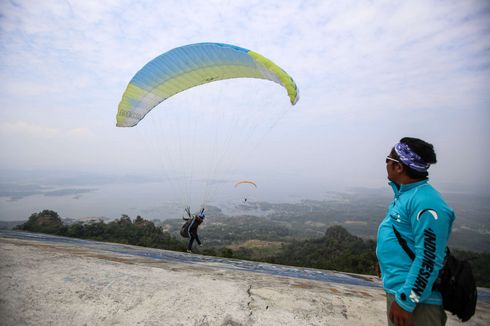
[418, 216]
[195, 221]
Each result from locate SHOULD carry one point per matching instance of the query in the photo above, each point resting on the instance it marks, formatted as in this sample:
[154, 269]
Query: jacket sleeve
[431, 224]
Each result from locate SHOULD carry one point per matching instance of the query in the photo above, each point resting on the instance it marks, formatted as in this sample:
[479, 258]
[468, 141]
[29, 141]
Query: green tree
[227, 252]
[46, 221]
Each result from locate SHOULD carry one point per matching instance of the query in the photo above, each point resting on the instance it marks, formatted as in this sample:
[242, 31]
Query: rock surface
[67, 284]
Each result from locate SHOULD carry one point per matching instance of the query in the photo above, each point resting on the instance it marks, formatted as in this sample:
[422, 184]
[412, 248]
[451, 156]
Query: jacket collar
[398, 190]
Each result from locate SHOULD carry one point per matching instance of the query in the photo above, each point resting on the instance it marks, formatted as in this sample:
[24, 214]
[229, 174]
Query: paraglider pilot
[196, 220]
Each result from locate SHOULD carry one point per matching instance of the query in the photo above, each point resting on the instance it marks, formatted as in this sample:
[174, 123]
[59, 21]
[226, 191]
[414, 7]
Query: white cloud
[81, 133]
[9, 130]
[22, 128]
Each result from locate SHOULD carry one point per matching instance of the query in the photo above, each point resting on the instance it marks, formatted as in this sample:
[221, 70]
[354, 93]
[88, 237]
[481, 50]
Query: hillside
[246, 237]
[88, 284]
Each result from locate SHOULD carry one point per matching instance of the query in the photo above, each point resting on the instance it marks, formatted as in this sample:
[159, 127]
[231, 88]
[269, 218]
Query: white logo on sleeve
[414, 297]
[430, 210]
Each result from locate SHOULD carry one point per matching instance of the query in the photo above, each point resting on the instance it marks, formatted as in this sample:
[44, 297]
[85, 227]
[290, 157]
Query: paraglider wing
[192, 65]
[245, 182]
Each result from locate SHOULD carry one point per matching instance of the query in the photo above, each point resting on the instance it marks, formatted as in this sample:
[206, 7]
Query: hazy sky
[369, 73]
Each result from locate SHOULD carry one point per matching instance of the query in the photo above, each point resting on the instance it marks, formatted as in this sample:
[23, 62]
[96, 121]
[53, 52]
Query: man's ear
[399, 168]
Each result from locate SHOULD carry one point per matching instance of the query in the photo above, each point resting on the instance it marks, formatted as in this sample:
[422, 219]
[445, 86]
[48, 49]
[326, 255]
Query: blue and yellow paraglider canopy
[192, 65]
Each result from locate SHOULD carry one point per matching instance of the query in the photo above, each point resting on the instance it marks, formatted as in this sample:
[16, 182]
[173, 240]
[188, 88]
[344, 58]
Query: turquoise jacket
[424, 220]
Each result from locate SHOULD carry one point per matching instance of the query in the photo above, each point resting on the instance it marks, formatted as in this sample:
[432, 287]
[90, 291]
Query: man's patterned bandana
[410, 158]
